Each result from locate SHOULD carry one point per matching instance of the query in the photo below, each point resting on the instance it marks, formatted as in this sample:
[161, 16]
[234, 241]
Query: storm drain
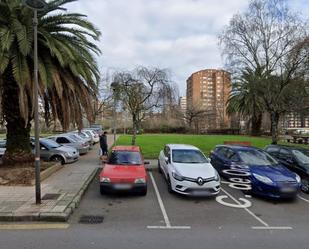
[50, 196]
[91, 219]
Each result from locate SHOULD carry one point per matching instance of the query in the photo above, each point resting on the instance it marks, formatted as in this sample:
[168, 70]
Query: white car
[188, 171]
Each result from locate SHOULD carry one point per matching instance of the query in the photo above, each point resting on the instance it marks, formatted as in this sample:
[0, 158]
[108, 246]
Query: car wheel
[159, 167]
[305, 186]
[144, 192]
[58, 159]
[102, 191]
[169, 186]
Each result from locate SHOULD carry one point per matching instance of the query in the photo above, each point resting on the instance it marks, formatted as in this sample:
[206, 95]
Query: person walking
[103, 144]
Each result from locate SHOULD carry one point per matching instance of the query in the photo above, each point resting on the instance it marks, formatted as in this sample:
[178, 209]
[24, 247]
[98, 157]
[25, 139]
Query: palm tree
[68, 72]
[245, 100]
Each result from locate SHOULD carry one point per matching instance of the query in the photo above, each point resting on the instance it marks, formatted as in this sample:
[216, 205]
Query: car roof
[182, 146]
[237, 147]
[289, 147]
[126, 148]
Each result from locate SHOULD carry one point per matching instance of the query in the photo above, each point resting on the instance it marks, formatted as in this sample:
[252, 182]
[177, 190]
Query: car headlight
[67, 154]
[217, 177]
[105, 179]
[177, 176]
[298, 179]
[140, 180]
[263, 179]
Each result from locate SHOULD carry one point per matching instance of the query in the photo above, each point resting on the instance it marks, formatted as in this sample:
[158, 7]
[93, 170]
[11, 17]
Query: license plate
[122, 186]
[287, 190]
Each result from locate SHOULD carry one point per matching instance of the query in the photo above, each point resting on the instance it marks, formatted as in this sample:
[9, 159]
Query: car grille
[195, 179]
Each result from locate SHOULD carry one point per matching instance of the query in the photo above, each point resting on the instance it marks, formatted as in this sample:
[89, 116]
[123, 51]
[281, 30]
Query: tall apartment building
[183, 104]
[209, 90]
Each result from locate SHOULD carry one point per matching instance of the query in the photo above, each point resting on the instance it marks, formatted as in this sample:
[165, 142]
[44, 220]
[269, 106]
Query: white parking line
[272, 228]
[252, 214]
[265, 225]
[302, 198]
[166, 219]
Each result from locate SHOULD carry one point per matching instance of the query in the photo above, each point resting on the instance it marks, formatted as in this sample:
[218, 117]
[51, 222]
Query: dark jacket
[103, 141]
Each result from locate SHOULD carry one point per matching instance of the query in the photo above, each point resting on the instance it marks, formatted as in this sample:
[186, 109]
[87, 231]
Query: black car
[294, 158]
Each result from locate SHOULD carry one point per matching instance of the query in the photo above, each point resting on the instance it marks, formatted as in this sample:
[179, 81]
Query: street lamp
[114, 87]
[36, 5]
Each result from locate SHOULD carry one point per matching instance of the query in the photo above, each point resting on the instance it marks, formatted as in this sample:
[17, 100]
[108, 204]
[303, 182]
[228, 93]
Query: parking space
[231, 210]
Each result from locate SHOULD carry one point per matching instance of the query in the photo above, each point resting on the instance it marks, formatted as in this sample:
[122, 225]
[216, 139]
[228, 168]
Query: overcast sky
[180, 35]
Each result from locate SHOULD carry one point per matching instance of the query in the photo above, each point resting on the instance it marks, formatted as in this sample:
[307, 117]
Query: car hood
[276, 173]
[123, 171]
[194, 170]
[65, 149]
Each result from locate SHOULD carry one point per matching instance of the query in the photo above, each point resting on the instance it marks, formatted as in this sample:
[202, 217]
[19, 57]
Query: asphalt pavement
[164, 220]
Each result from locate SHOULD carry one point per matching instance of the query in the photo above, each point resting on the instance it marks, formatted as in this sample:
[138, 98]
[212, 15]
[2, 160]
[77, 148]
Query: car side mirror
[146, 162]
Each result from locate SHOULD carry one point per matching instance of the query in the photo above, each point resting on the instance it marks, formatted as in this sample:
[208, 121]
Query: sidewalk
[61, 192]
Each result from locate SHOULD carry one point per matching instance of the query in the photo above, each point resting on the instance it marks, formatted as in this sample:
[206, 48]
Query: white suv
[188, 171]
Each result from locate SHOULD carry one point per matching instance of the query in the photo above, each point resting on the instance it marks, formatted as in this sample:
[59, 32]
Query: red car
[124, 171]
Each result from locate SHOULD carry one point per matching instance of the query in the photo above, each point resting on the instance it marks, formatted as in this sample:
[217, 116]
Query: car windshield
[75, 138]
[50, 143]
[301, 156]
[125, 158]
[188, 156]
[257, 158]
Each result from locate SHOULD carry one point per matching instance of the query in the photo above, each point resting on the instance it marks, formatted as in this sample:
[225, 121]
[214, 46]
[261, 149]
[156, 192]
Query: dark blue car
[242, 164]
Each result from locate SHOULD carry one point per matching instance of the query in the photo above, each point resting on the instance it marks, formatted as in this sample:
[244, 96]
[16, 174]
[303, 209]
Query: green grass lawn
[151, 144]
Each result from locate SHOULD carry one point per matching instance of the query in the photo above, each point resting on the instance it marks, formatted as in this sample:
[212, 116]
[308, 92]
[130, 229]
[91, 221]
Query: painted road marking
[272, 228]
[166, 219]
[302, 198]
[251, 213]
[34, 226]
[265, 225]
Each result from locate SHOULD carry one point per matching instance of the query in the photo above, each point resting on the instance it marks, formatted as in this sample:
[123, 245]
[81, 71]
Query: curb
[48, 172]
[52, 216]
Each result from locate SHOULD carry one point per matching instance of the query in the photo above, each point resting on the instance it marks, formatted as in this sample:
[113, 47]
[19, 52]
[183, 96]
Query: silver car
[67, 140]
[80, 136]
[94, 135]
[52, 151]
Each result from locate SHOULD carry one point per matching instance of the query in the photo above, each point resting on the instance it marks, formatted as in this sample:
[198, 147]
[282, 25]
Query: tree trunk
[256, 124]
[134, 130]
[274, 126]
[18, 148]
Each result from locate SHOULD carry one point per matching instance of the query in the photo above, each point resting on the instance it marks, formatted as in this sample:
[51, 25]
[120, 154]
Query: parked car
[267, 176]
[97, 127]
[188, 171]
[94, 135]
[295, 159]
[82, 137]
[124, 171]
[52, 151]
[67, 140]
[2, 147]
[99, 131]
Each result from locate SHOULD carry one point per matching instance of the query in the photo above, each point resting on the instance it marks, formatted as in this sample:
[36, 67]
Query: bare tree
[140, 91]
[194, 113]
[268, 38]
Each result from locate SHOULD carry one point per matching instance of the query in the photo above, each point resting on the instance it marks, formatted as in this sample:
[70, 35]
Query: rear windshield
[125, 158]
[257, 158]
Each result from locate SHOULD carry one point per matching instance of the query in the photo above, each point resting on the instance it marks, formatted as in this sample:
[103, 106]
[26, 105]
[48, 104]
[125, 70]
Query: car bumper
[193, 189]
[123, 187]
[83, 150]
[71, 159]
[278, 192]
